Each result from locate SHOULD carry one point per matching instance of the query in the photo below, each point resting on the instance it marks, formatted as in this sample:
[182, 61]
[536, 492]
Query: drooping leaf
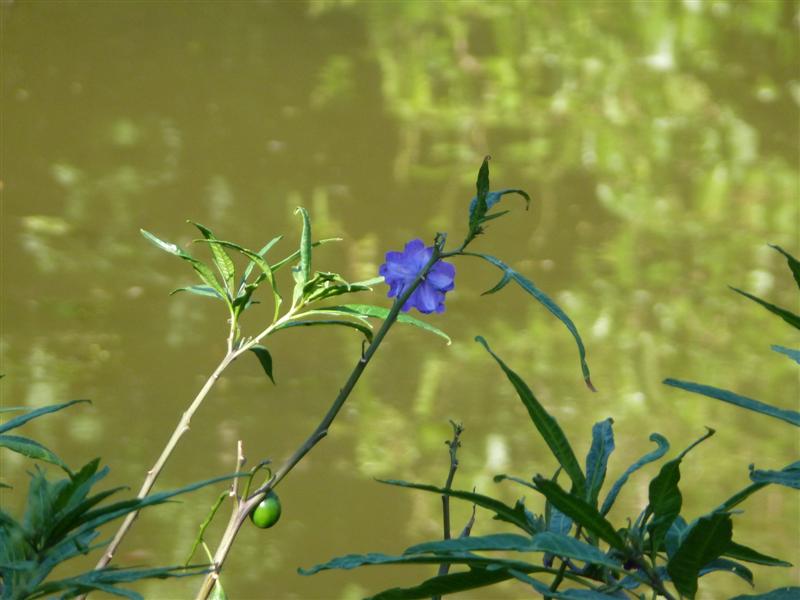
[783, 593]
[786, 315]
[790, 352]
[728, 566]
[365, 329]
[367, 310]
[502, 511]
[663, 447]
[22, 419]
[223, 262]
[793, 263]
[597, 459]
[493, 198]
[31, 449]
[580, 511]
[664, 496]
[558, 544]
[703, 543]
[788, 476]
[547, 426]
[265, 359]
[740, 552]
[570, 594]
[202, 269]
[510, 274]
[199, 290]
[446, 584]
[790, 416]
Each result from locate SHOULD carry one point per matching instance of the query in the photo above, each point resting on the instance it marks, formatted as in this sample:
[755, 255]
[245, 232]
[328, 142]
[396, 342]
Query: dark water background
[658, 140]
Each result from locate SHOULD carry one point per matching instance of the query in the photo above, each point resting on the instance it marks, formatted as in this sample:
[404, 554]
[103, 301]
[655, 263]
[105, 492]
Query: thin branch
[453, 446]
[248, 504]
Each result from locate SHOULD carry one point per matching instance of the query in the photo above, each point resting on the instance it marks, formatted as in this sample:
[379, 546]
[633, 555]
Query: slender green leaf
[502, 511]
[542, 298]
[790, 416]
[252, 263]
[202, 270]
[580, 511]
[740, 552]
[548, 427]
[265, 359]
[560, 545]
[218, 592]
[199, 290]
[664, 496]
[663, 447]
[22, 419]
[783, 593]
[365, 329]
[793, 263]
[368, 310]
[790, 352]
[786, 315]
[493, 198]
[446, 584]
[571, 594]
[788, 476]
[480, 208]
[597, 459]
[296, 253]
[31, 449]
[703, 543]
[223, 262]
[302, 272]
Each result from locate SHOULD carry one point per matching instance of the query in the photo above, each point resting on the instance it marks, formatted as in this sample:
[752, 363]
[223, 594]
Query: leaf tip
[589, 384]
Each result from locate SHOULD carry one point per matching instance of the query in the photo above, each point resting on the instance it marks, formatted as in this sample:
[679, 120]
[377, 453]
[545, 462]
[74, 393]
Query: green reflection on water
[659, 141]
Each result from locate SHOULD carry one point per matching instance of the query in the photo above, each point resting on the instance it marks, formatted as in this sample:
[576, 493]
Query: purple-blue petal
[401, 268]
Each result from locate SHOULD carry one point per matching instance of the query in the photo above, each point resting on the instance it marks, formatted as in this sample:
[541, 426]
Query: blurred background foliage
[657, 139]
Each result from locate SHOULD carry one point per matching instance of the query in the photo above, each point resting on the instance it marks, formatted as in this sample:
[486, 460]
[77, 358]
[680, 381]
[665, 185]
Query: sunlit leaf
[365, 329]
[547, 426]
[510, 274]
[367, 310]
[663, 447]
[302, 272]
[200, 290]
[704, 542]
[296, 253]
[790, 416]
[223, 262]
[580, 511]
[264, 358]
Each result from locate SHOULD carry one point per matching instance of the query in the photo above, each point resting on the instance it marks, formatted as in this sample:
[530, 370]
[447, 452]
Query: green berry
[268, 511]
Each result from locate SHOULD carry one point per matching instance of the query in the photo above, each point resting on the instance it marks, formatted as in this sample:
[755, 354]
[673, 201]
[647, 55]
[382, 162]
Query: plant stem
[152, 474]
[453, 446]
[247, 504]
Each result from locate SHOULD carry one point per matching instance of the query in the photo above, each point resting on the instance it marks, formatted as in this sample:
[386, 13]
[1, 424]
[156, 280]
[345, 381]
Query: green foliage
[657, 550]
[62, 520]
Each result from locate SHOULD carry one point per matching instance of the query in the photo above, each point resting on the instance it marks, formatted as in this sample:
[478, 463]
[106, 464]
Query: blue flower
[401, 268]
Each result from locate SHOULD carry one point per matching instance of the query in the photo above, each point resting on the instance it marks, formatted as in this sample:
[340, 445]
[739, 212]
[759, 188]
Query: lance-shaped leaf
[478, 212]
[31, 449]
[740, 552]
[786, 315]
[790, 416]
[571, 594]
[252, 263]
[22, 419]
[503, 512]
[793, 263]
[663, 447]
[664, 496]
[446, 584]
[296, 253]
[528, 286]
[302, 272]
[788, 476]
[597, 459]
[223, 262]
[367, 310]
[558, 544]
[790, 352]
[493, 198]
[199, 290]
[703, 543]
[202, 270]
[265, 359]
[365, 329]
[728, 566]
[548, 427]
[581, 512]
